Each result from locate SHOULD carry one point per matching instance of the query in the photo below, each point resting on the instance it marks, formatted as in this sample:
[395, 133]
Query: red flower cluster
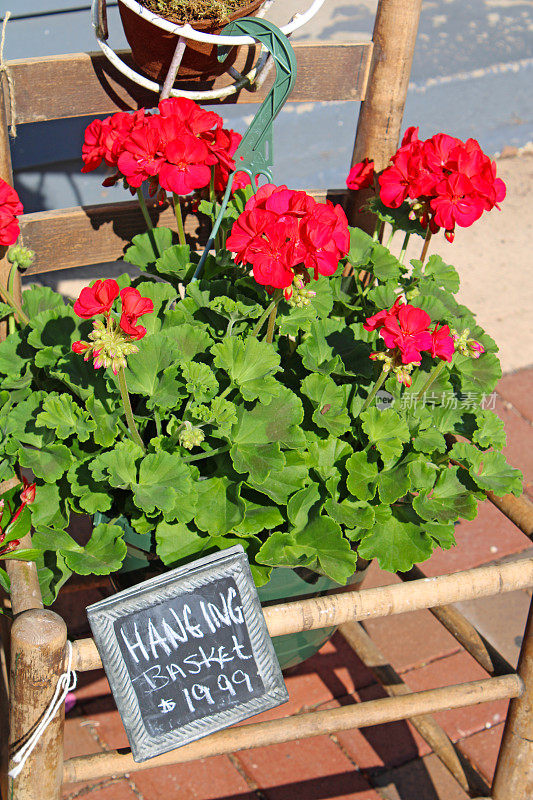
[405, 330]
[449, 182]
[10, 208]
[284, 233]
[111, 343]
[361, 175]
[174, 149]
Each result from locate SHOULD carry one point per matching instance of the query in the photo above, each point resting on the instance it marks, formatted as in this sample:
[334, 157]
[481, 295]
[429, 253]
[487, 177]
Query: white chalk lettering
[153, 678]
[172, 637]
[238, 649]
[156, 639]
[132, 647]
[175, 669]
[219, 657]
[207, 617]
[192, 660]
[235, 611]
[194, 630]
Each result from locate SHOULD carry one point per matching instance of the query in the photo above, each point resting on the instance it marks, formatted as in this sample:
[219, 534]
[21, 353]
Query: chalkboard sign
[187, 653]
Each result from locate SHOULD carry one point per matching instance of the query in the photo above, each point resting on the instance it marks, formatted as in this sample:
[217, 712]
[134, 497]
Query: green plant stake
[255, 152]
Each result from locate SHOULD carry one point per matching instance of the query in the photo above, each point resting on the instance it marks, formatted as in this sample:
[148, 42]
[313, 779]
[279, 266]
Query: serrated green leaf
[478, 374]
[40, 298]
[443, 274]
[156, 353]
[396, 544]
[300, 319]
[429, 441]
[257, 460]
[48, 508]
[161, 294]
[326, 455]
[103, 553]
[361, 245]
[220, 508]
[329, 402]
[200, 381]
[351, 514]
[61, 414]
[165, 484]
[48, 463]
[175, 542]
[52, 573]
[362, 476]
[106, 428]
[488, 469]
[384, 265]
[490, 431]
[257, 519]
[147, 247]
[93, 495]
[316, 353]
[386, 430]
[280, 485]
[301, 503]
[447, 501]
[187, 341]
[175, 262]
[250, 365]
[117, 466]
[384, 295]
[394, 483]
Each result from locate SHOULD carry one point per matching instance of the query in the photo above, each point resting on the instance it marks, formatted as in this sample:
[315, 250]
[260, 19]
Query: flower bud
[21, 256]
[27, 495]
[190, 436]
[10, 546]
[466, 346]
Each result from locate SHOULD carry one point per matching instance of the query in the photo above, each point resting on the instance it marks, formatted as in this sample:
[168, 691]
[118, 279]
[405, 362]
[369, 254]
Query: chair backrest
[86, 84]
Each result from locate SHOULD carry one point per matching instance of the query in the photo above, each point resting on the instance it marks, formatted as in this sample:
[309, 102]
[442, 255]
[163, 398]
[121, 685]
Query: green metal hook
[254, 156]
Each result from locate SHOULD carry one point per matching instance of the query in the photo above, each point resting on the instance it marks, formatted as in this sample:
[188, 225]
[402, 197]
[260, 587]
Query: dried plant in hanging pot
[153, 47]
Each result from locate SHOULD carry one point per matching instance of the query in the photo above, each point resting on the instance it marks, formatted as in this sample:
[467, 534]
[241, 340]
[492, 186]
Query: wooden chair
[376, 73]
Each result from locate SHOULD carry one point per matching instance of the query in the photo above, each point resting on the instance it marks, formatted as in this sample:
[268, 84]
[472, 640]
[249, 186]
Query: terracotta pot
[152, 48]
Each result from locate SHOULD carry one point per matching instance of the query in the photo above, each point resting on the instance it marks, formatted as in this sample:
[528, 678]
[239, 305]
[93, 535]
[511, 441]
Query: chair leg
[514, 771]
[38, 640]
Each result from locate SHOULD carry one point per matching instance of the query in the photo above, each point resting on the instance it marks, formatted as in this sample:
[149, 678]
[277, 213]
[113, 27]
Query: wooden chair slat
[85, 235]
[90, 85]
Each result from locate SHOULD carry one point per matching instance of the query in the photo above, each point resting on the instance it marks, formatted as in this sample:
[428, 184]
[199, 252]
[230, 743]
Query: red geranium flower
[409, 332]
[361, 175]
[189, 114]
[378, 320]
[96, 299]
[326, 237]
[134, 305]
[442, 345]
[141, 156]
[456, 203]
[10, 208]
[185, 169]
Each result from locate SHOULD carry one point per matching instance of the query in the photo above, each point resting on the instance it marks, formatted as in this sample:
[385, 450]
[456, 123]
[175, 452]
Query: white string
[65, 684]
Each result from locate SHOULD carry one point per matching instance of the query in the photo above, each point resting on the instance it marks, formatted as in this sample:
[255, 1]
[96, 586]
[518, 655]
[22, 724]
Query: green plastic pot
[284, 584]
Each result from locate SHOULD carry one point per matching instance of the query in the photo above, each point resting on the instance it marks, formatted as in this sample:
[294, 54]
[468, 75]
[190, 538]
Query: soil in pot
[152, 48]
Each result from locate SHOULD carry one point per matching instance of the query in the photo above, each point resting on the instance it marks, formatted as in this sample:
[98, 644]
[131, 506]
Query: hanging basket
[153, 46]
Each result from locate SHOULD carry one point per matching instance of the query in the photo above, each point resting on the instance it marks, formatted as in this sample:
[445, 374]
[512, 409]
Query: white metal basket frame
[184, 32]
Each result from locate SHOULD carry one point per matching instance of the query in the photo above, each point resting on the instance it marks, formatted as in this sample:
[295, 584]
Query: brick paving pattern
[385, 762]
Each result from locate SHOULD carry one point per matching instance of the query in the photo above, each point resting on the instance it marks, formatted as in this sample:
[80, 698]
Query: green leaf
[200, 381]
[326, 455]
[161, 294]
[106, 428]
[280, 485]
[93, 495]
[316, 353]
[187, 341]
[40, 298]
[147, 247]
[384, 265]
[383, 296]
[361, 245]
[257, 519]
[175, 262]
[489, 469]
[19, 528]
[396, 544]
[351, 514]
[48, 508]
[62, 414]
[300, 504]
[329, 401]
[447, 501]
[165, 484]
[175, 542]
[386, 430]
[48, 463]
[250, 365]
[362, 476]
[258, 460]
[4, 581]
[220, 508]
[397, 217]
[156, 353]
[490, 429]
[284, 419]
[423, 474]
[117, 466]
[296, 319]
[21, 422]
[478, 374]
[225, 415]
[394, 483]
[103, 553]
[442, 274]
[320, 545]
[427, 441]
[52, 573]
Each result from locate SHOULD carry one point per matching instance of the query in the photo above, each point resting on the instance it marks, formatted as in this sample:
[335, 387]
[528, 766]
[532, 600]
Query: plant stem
[210, 453]
[126, 402]
[377, 386]
[278, 293]
[146, 215]
[179, 219]
[11, 290]
[261, 321]
[425, 248]
[10, 300]
[433, 375]
[389, 240]
[157, 420]
[404, 247]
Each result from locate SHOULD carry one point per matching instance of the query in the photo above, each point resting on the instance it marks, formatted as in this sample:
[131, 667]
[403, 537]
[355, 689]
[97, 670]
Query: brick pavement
[385, 762]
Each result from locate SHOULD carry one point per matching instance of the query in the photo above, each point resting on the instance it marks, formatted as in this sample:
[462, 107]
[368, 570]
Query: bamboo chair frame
[376, 73]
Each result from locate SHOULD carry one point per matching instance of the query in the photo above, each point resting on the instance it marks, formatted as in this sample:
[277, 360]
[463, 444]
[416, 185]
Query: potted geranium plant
[153, 47]
[274, 400]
